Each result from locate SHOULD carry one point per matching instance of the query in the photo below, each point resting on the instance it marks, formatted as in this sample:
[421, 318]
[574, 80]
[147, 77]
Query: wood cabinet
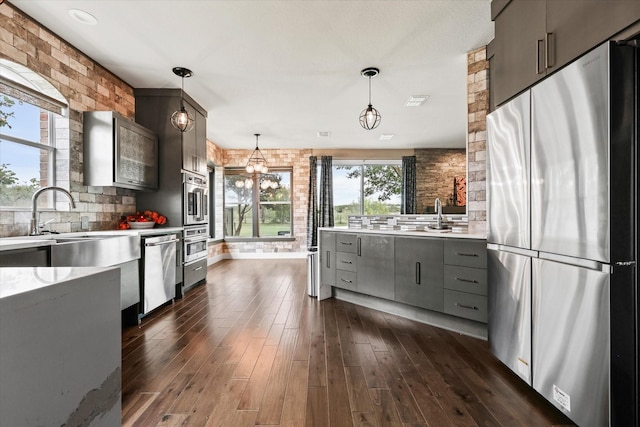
[376, 265]
[536, 38]
[419, 272]
[119, 152]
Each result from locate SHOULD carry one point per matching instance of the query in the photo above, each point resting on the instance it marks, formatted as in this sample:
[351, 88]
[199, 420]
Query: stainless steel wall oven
[195, 198]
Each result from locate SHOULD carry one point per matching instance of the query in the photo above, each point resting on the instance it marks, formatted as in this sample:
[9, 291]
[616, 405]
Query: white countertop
[18, 280]
[23, 242]
[413, 233]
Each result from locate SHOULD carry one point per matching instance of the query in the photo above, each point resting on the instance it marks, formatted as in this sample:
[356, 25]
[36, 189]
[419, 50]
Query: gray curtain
[408, 185]
[312, 204]
[326, 192]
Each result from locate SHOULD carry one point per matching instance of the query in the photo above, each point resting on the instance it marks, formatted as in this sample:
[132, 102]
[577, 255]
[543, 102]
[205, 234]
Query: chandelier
[257, 164]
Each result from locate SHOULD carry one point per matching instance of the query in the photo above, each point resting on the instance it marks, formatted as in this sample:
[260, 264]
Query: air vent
[386, 136]
[324, 134]
[416, 100]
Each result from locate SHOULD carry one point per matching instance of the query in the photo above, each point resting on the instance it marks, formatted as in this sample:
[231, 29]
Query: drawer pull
[466, 280]
[417, 273]
[346, 281]
[346, 262]
[196, 269]
[469, 307]
[465, 254]
[328, 259]
[346, 243]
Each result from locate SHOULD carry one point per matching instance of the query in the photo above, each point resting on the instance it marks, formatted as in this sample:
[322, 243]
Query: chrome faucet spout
[438, 209]
[34, 231]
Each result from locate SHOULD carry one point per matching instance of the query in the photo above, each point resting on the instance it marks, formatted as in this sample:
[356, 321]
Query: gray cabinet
[465, 279]
[376, 265]
[119, 152]
[327, 258]
[194, 143]
[419, 272]
[535, 38]
[27, 257]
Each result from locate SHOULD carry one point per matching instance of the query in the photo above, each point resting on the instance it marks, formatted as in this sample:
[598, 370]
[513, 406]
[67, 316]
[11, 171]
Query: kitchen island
[433, 276]
[60, 340]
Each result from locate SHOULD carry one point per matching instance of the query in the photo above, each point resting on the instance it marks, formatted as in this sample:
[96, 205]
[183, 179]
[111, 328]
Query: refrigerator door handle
[579, 262]
[511, 249]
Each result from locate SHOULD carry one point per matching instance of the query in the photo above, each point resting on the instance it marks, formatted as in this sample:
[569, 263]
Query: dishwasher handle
[166, 242]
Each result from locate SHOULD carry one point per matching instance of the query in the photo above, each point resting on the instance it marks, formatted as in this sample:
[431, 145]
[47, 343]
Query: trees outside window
[27, 152]
[366, 189]
[257, 205]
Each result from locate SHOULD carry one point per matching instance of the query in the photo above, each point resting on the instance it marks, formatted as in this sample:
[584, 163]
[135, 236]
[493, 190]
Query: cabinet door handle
[346, 262]
[346, 243]
[466, 280]
[359, 247]
[417, 273]
[539, 45]
[469, 307]
[328, 260]
[346, 281]
[466, 254]
[548, 46]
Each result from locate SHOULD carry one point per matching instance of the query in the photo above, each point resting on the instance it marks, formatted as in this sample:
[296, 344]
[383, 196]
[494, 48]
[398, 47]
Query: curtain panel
[326, 192]
[312, 204]
[409, 203]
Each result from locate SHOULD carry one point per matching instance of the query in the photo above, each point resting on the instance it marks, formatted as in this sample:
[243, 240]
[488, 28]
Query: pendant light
[370, 117]
[256, 163]
[181, 119]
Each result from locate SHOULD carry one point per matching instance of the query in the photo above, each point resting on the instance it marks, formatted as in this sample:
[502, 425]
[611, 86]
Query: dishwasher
[159, 271]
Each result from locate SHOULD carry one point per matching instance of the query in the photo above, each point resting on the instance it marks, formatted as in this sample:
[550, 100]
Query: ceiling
[291, 69]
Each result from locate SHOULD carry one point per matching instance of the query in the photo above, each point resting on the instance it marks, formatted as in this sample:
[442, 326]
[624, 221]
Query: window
[27, 152]
[257, 205]
[366, 188]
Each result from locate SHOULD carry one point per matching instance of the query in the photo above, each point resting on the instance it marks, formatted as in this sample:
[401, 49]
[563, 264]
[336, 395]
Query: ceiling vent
[324, 134]
[416, 100]
[386, 136]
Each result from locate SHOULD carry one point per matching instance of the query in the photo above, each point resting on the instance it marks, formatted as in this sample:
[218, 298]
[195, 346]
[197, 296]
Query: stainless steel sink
[94, 250]
[71, 239]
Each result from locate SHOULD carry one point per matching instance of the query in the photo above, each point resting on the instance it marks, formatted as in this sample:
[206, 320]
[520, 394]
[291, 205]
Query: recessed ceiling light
[323, 133]
[83, 17]
[386, 136]
[416, 100]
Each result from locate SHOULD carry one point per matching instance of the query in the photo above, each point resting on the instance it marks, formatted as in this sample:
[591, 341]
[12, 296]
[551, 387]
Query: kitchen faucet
[438, 208]
[34, 206]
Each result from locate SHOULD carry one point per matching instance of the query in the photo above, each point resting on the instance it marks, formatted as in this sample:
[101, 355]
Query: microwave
[196, 199]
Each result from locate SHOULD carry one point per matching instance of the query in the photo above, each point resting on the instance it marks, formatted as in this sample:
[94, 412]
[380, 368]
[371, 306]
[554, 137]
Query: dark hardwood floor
[249, 347]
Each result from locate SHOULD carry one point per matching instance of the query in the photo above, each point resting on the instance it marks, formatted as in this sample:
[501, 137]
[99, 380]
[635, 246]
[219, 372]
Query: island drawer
[346, 261]
[346, 242]
[465, 305]
[465, 279]
[346, 280]
[467, 253]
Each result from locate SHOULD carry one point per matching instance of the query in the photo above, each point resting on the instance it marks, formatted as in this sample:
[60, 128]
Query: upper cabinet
[536, 38]
[119, 152]
[179, 150]
[194, 143]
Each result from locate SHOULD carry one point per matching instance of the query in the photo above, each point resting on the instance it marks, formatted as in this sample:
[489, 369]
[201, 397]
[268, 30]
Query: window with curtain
[27, 152]
[258, 205]
[366, 188]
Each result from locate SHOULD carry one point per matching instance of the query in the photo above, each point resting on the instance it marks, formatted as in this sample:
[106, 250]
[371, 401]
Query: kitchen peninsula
[60, 360]
[432, 276]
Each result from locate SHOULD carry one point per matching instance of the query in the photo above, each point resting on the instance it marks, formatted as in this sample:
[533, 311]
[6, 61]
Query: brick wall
[478, 107]
[86, 86]
[435, 170]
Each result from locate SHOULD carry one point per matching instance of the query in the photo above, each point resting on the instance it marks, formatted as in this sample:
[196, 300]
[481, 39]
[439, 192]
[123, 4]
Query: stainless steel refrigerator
[562, 237]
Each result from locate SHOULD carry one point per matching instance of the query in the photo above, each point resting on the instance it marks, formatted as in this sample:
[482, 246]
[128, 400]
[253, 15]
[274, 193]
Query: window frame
[256, 204]
[50, 148]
